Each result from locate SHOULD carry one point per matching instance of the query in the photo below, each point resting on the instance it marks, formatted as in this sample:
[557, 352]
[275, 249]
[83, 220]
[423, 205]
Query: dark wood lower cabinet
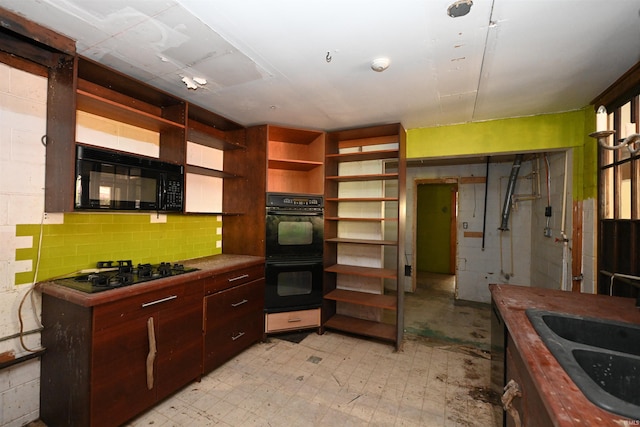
[119, 376]
[99, 368]
[233, 320]
[529, 406]
[108, 376]
[233, 314]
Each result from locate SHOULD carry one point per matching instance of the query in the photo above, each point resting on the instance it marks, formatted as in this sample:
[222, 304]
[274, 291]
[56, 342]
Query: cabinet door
[233, 321]
[530, 406]
[119, 375]
[122, 343]
[180, 343]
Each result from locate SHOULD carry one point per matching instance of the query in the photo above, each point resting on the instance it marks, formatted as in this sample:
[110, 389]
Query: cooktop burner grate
[111, 275]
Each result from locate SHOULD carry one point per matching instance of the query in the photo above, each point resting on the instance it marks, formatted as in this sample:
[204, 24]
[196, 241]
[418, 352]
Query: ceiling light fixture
[380, 64]
[459, 8]
[194, 83]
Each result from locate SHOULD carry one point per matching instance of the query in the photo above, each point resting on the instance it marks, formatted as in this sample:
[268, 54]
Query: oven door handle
[294, 263]
[294, 213]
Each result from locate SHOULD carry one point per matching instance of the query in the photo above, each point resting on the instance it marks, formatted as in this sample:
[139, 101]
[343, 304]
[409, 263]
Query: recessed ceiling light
[459, 8]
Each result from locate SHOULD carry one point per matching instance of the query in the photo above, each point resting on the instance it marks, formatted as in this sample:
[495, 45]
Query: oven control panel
[288, 200]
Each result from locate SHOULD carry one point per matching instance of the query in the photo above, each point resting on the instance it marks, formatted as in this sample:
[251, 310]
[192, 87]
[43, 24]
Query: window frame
[619, 225]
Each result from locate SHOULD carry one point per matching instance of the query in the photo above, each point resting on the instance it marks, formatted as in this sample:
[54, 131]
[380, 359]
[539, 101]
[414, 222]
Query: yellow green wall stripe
[517, 135]
[84, 239]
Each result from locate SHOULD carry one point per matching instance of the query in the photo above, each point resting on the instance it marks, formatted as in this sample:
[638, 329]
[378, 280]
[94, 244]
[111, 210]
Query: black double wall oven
[294, 239]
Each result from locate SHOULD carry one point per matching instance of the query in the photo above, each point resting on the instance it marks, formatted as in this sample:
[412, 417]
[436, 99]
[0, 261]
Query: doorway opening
[435, 228]
[432, 310]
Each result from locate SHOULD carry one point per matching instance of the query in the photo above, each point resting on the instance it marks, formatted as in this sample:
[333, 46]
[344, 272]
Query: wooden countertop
[208, 267]
[564, 401]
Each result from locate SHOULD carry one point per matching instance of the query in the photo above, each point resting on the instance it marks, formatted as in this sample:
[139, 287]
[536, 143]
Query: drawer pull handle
[237, 336]
[158, 301]
[511, 391]
[294, 320]
[244, 301]
[151, 356]
[244, 276]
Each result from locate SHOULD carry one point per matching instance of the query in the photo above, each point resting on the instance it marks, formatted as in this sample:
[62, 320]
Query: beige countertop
[566, 404]
[208, 267]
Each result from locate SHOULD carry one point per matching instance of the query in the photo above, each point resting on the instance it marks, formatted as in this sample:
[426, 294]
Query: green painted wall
[523, 134]
[84, 239]
[433, 228]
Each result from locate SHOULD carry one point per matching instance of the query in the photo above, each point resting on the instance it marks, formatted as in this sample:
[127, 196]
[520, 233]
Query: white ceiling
[267, 61]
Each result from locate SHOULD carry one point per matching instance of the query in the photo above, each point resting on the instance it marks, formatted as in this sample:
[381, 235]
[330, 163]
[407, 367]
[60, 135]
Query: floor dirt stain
[470, 370]
[485, 394]
[458, 421]
[477, 334]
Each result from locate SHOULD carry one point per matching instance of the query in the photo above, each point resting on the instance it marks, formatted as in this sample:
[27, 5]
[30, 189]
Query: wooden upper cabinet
[110, 94]
[295, 160]
[210, 138]
[83, 85]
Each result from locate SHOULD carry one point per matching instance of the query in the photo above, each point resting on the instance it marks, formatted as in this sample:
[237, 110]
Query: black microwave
[112, 180]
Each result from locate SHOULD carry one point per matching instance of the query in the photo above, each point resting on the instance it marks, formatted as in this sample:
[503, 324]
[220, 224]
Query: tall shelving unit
[364, 231]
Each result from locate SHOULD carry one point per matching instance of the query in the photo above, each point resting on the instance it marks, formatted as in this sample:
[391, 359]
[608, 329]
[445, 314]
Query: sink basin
[602, 357]
[616, 374]
[610, 335]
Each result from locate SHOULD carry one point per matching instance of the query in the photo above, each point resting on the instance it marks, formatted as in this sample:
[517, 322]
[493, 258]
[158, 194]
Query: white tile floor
[338, 380]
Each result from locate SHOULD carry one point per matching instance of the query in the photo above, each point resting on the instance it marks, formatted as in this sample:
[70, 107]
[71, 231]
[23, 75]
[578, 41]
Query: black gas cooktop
[112, 275]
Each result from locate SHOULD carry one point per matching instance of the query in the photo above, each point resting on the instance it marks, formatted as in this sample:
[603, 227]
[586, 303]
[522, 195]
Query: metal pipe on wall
[565, 285]
[506, 208]
[486, 191]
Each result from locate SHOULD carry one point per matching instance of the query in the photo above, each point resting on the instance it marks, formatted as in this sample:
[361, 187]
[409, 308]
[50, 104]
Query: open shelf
[361, 199]
[294, 165]
[213, 139]
[108, 93]
[121, 112]
[353, 178]
[356, 270]
[295, 160]
[361, 241]
[364, 155]
[199, 170]
[363, 327]
[387, 302]
[337, 218]
[203, 134]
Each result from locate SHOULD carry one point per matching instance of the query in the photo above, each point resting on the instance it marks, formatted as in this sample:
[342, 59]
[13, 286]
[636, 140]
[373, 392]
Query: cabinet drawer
[114, 313]
[234, 278]
[292, 320]
[228, 340]
[231, 304]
